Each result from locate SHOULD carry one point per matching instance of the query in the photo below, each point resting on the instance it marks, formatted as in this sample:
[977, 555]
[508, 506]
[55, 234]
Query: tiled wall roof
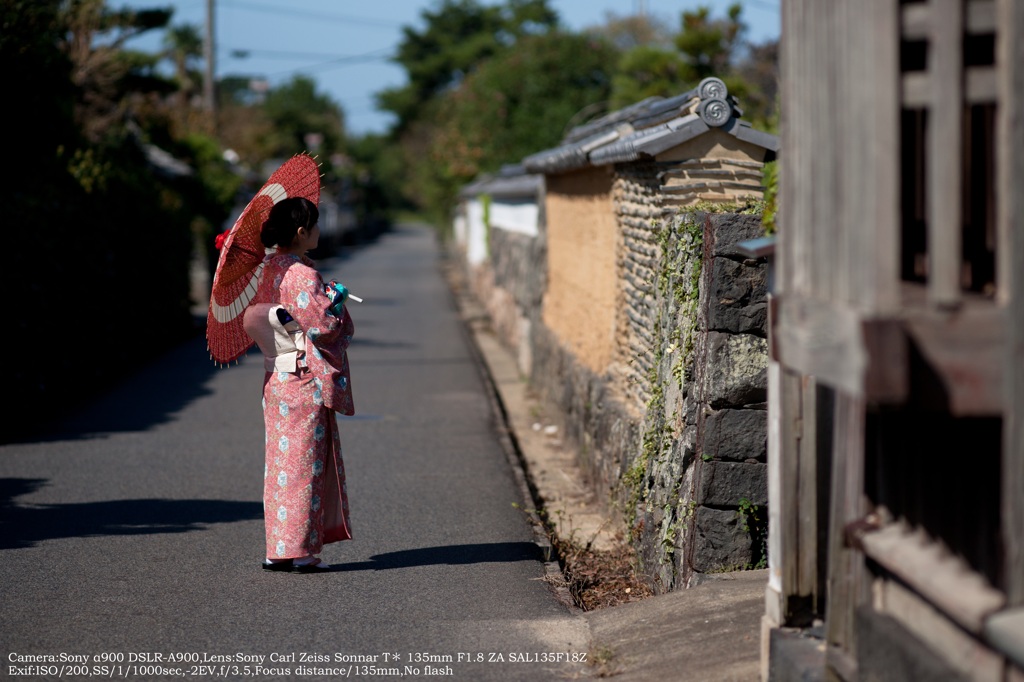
[648, 128]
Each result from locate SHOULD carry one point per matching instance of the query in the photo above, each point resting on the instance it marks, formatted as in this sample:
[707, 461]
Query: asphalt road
[135, 529]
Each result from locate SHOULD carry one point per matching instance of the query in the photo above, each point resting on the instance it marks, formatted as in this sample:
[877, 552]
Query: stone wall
[596, 421]
[638, 204]
[685, 468]
[672, 431]
[697, 490]
[511, 285]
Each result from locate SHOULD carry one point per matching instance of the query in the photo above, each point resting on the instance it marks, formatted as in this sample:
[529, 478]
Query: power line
[340, 61]
[328, 61]
[292, 12]
[244, 53]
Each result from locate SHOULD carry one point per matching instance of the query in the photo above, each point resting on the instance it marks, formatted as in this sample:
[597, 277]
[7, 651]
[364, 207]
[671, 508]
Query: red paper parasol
[241, 257]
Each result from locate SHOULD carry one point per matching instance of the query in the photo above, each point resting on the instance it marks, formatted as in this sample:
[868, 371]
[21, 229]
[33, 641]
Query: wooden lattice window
[947, 60]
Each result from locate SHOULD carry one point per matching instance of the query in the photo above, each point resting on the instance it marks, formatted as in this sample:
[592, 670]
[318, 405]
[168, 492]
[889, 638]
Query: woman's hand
[339, 295]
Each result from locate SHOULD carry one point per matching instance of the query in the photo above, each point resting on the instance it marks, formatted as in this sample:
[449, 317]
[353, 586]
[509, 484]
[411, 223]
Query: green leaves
[459, 37]
[296, 109]
[513, 104]
[771, 194]
[648, 71]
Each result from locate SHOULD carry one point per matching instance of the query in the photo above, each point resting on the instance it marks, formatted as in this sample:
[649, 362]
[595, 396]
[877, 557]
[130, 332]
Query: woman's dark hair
[285, 219]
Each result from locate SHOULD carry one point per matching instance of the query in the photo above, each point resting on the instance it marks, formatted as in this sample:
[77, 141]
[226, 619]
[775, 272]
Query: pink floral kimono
[305, 502]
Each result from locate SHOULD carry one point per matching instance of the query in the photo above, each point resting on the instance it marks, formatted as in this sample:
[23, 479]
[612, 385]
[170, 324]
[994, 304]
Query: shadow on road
[27, 526]
[449, 555]
[144, 398]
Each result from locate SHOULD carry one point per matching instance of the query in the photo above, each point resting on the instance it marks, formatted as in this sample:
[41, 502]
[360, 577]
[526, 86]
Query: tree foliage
[703, 46]
[183, 46]
[708, 46]
[513, 105]
[648, 71]
[487, 85]
[302, 119]
[376, 173]
[106, 235]
[112, 82]
[43, 116]
[628, 32]
[459, 36]
[757, 74]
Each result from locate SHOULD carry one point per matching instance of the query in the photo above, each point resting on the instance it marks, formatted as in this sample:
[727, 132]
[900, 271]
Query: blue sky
[344, 45]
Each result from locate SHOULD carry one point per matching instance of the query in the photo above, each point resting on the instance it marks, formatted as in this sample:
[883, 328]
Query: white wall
[476, 232]
[515, 216]
[518, 216]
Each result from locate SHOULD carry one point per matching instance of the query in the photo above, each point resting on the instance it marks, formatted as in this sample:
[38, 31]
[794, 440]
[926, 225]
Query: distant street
[136, 527]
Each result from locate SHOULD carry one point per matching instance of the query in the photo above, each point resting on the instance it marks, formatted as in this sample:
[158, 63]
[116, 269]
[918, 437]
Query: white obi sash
[283, 345]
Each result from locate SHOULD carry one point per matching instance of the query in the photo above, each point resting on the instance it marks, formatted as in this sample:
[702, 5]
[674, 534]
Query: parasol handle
[355, 298]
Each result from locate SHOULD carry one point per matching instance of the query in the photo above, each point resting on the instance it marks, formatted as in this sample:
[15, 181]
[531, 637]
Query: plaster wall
[579, 305]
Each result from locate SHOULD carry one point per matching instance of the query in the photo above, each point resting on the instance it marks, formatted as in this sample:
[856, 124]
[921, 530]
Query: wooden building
[896, 388]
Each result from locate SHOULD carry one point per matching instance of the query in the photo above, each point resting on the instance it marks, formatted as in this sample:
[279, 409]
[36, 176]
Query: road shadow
[165, 386]
[448, 555]
[26, 526]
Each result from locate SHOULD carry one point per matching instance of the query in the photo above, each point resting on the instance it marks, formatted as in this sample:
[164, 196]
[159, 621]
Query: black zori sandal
[285, 565]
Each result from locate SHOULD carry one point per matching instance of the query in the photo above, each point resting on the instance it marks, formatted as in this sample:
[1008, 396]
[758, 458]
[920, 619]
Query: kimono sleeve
[302, 295]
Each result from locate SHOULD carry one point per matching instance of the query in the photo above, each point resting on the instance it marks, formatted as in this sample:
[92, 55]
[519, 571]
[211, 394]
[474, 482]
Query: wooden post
[1010, 275]
[209, 88]
[881, 294]
[791, 427]
[945, 151]
[777, 542]
[807, 494]
[848, 583]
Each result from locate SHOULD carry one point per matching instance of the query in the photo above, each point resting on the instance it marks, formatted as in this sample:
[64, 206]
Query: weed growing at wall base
[594, 579]
[753, 524]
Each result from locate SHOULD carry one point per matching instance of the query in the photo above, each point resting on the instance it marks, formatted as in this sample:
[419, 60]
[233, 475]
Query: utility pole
[209, 91]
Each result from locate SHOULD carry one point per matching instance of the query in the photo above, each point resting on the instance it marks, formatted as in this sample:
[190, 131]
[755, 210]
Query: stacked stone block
[511, 286]
[697, 180]
[638, 205]
[706, 508]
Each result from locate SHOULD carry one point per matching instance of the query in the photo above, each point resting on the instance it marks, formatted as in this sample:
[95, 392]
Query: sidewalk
[709, 633]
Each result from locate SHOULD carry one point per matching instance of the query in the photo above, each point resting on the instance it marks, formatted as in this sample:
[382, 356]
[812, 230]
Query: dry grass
[598, 579]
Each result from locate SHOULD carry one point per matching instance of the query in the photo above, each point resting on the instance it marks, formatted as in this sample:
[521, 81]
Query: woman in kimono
[303, 333]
